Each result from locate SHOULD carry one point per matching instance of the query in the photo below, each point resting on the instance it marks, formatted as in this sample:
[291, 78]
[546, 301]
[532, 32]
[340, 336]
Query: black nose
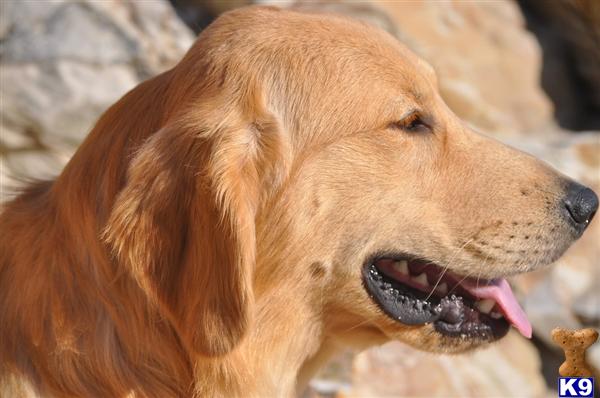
[581, 204]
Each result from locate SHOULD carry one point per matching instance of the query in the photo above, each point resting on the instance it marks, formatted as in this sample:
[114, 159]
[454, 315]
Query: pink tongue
[499, 290]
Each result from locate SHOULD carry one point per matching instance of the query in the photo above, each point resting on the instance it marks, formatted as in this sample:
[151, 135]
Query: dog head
[310, 160]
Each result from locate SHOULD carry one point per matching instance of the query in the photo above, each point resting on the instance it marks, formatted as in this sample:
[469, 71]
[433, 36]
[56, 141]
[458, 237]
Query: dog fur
[208, 236]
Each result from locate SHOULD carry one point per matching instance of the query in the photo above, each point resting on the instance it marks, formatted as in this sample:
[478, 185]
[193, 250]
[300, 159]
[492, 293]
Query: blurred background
[524, 71]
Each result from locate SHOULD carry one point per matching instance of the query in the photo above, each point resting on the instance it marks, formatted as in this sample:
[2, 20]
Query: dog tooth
[422, 279]
[486, 305]
[495, 315]
[442, 288]
[401, 267]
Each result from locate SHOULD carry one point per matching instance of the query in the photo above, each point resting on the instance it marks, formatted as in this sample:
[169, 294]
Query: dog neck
[276, 358]
[284, 350]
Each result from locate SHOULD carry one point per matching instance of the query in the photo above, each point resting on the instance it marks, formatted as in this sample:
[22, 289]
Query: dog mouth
[417, 292]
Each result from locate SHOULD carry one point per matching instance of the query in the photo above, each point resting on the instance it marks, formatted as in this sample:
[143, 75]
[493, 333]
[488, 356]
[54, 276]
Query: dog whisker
[447, 265]
[359, 324]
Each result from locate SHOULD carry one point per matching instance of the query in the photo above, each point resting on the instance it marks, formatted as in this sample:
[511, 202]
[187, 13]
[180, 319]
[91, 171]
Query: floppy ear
[184, 224]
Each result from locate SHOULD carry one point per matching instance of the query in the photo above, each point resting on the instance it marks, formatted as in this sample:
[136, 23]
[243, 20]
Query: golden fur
[207, 238]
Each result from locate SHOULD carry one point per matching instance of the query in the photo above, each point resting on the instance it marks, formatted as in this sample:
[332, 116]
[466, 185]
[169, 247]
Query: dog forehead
[268, 34]
[316, 70]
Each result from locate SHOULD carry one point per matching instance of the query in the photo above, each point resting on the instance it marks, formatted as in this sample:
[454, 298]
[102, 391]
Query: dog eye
[413, 124]
[416, 124]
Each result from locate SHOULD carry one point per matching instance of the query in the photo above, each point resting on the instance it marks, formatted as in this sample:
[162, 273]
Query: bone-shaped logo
[574, 343]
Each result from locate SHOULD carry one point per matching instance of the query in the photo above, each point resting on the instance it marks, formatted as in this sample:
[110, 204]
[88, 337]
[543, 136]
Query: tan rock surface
[63, 63]
[509, 368]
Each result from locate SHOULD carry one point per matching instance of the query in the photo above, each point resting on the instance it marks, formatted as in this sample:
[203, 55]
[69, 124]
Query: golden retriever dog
[294, 185]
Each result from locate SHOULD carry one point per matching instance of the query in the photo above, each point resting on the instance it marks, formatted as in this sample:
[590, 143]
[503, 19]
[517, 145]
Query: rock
[64, 63]
[510, 367]
[569, 33]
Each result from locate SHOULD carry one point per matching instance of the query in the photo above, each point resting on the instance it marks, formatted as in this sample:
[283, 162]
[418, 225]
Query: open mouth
[418, 292]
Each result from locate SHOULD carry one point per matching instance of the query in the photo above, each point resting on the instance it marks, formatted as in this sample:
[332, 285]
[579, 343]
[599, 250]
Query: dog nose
[581, 204]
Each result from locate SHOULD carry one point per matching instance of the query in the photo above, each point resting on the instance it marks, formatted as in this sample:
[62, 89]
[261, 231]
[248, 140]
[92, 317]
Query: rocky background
[526, 72]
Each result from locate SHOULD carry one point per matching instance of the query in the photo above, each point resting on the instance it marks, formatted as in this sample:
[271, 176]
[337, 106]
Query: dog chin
[426, 338]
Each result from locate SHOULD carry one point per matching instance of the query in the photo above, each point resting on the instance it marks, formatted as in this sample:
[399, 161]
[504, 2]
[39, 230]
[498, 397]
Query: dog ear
[184, 224]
